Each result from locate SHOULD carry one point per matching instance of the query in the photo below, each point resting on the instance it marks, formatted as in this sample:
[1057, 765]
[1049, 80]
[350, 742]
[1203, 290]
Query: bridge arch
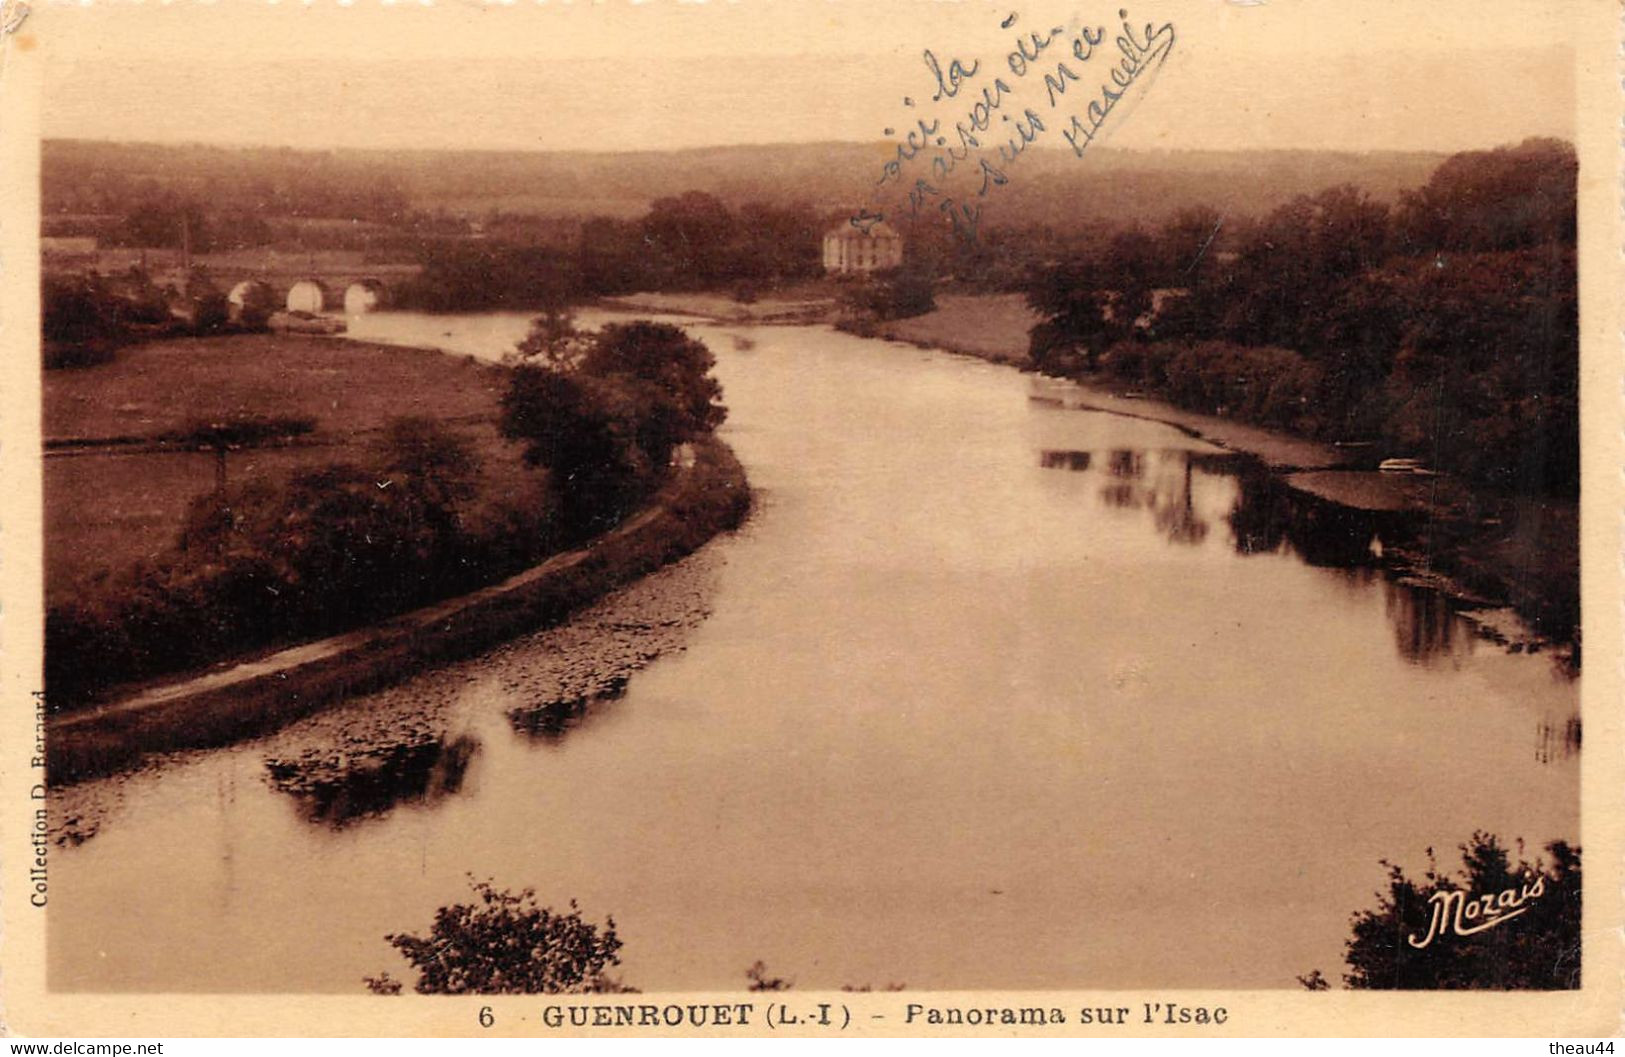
[307, 295]
[363, 295]
[251, 297]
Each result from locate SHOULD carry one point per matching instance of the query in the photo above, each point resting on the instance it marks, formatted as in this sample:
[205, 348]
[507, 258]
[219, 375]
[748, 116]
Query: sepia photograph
[1037, 518]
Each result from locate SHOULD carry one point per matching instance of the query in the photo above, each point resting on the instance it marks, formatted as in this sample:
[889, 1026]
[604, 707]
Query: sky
[1282, 74]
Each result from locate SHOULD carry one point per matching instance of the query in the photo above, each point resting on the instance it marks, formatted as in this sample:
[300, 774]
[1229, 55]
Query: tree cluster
[86, 318]
[1445, 328]
[897, 293]
[688, 242]
[604, 413]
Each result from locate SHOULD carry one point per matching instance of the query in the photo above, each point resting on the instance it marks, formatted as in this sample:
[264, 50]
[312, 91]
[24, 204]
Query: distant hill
[1051, 187]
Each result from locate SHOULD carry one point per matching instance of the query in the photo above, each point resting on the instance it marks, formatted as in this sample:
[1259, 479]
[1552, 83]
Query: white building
[854, 248]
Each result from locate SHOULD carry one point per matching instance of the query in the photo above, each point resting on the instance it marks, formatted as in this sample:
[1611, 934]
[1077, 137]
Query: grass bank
[988, 326]
[707, 495]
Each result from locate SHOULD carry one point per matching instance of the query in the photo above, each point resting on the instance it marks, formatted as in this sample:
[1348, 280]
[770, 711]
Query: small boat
[1056, 392]
[1413, 466]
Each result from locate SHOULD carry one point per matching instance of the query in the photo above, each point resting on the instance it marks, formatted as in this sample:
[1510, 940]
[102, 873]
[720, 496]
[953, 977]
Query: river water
[984, 695]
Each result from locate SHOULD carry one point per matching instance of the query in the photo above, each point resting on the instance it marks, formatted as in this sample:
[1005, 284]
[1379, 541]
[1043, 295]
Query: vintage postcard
[809, 517]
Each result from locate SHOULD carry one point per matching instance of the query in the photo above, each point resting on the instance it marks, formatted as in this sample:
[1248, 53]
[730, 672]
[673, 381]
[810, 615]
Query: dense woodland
[1444, 326]
[691, 241]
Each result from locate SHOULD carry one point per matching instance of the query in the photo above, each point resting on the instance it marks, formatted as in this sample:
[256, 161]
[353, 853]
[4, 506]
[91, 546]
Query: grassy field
[106, 510]
[992, 326]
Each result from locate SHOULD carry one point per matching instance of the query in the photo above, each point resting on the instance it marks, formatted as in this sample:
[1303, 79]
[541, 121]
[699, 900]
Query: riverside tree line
[1444, 327]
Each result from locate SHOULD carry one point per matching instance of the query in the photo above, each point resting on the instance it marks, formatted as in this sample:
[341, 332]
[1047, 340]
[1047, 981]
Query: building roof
[849, 229]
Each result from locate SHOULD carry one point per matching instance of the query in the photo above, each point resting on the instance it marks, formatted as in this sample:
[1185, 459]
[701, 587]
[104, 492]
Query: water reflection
[1426, 627]
[1557, 743]
[1172, 508]
[1123, 462]
[343, 788]
[1185, 490]
[1269, 516]
[549, 721]
[1161, 482]
[1076, 461]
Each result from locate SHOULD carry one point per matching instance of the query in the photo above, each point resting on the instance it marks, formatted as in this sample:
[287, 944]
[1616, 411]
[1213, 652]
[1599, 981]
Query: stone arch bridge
[306, 286]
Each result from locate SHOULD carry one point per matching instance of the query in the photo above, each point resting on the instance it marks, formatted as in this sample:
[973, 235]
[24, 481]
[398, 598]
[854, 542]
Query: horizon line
[241, 145]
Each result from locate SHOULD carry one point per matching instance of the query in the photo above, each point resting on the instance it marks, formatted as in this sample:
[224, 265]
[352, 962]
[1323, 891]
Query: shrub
[506, 943]
[79, 323]
[1537, 948]
[895, 294]
[257, 564]
[1273, 386]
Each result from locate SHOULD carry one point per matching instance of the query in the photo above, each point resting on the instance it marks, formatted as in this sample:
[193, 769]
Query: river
[984, 695]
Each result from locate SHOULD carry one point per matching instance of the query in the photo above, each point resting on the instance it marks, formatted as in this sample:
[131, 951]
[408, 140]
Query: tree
[1397, 944]
[605, 422]
[576, 428]
[460, 276]
[1348, 233]
[1072, 297]
[611, 256]
[554, 340]
[777, 243]
[166, 220]
[1486, 373]
[690, 236]
[1291, 264]
[1188, 242]
[505, 943]
[79, 322]
[668, 373]
[1133, 267]
[436, 465]
[1502, 199]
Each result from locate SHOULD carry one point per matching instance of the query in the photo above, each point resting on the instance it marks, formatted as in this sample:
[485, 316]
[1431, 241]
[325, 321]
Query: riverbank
[708, 494]
[721, 308]
[988, 326]
[1494, 556]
